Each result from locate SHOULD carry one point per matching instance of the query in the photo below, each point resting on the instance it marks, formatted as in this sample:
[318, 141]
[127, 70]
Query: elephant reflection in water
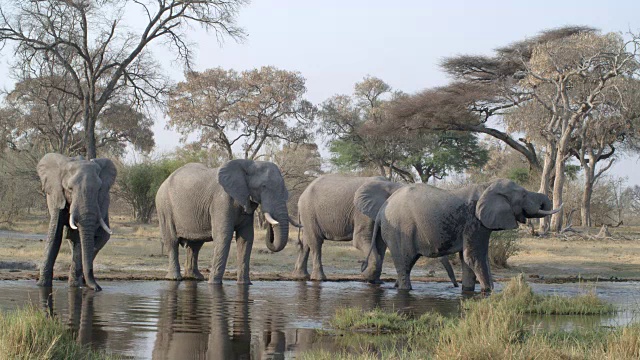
[186, 332]
[81, 312]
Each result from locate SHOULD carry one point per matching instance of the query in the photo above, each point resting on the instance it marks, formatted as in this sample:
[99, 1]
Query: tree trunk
[558, 184]
[89, 135]
[545, 180]
[585, 208]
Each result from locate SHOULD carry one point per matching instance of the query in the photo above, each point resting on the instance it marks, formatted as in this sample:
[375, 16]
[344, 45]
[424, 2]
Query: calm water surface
[267, 320]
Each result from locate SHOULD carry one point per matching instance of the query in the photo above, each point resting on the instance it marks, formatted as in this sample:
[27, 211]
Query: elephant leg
[476, 255]
[174, 261]
[374, 269]
[191, 263]
[75, 269]
[447, 266]
[102, 237]
[315, 248]
[403, 266]
[300, 270]
[244, 243]
[468, 276]
[221, 244]
[52, 247]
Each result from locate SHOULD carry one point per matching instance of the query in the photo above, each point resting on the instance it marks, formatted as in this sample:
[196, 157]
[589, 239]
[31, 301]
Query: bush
[502, 246]
[137, 185]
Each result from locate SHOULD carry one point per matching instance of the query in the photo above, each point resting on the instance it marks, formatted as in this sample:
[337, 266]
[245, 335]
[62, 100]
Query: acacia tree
[544, 87]
[346, 120]
[225, 108]
[88, 41]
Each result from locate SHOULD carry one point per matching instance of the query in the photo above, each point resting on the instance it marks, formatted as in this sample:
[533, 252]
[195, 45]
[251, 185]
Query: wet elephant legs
[311, 245]
[191, 263]
[300, 270]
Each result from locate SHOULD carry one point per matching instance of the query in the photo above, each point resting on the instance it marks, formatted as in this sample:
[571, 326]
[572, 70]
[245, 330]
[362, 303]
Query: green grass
[28, 333]
[491, 328]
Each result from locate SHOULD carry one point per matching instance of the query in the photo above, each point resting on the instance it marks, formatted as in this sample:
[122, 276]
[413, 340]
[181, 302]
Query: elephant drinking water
[422, 220]
[78, 198]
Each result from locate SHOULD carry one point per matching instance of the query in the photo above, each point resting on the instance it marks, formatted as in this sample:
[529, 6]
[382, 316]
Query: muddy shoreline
[8, 275]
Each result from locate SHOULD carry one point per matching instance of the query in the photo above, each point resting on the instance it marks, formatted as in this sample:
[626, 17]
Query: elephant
[77, 193]
[196, 204]
[326, 211]
[422, 220]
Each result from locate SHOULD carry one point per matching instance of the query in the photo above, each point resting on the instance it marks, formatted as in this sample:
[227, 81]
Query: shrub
[502, 246]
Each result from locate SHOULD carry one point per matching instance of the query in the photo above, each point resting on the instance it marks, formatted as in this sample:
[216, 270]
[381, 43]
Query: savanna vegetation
[496, 327]
[29, 333]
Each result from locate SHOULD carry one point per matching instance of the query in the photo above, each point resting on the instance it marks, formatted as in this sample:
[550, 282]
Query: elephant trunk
[87, 236]
[85, 215]
[278, 231]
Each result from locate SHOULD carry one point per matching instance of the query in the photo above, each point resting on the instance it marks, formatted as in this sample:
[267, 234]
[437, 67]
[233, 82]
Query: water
[274, 320]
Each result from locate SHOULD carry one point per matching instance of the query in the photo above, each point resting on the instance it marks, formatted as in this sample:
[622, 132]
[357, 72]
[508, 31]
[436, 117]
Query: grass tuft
[491, 328]
[519, 296]
[28, 333]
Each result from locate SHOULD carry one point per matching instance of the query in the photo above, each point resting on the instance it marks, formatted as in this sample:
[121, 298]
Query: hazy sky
[336, 43]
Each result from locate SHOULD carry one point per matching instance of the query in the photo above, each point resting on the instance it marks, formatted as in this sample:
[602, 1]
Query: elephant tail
[374, 239]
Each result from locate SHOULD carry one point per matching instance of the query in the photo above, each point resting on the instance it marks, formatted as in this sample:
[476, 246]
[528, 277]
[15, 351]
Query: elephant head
[504, 204]
[79, 188]
[251, 182]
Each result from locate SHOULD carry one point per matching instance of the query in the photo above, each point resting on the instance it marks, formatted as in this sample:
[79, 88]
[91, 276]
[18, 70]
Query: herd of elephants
[197, 204]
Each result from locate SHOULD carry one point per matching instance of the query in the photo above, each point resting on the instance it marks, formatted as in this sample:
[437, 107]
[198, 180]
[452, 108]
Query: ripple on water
[165, 320]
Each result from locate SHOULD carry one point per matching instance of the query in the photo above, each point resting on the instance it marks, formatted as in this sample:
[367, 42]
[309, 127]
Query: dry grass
[490, 328]
[135, 250]
[29, 333]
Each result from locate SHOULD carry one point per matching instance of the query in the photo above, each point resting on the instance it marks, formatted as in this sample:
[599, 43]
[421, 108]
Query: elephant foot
[374, 281]
[193, 275]
[171, 275]
[95, 287]
[215, 281]
[455, 285]
[44, 282]
[468, 289]
[300, 275]
[244, 282]
[318, 276]
[75, 282]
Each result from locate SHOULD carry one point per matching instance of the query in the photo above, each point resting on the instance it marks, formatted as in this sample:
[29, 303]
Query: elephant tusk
[550, 212]
[72, 223]
[105, 227]
[270, 220]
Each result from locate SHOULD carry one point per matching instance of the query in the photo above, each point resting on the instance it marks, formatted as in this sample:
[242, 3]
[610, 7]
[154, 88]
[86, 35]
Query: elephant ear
[232, 176]
[50, 170]
[107, 174]
[494, 209]
[370, 197]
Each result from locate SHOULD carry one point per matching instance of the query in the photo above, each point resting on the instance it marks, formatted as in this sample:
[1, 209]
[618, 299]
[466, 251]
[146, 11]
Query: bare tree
[226, 108]
[89, 42]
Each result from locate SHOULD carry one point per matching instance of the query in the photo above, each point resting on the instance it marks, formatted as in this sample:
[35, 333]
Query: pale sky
[335, 43]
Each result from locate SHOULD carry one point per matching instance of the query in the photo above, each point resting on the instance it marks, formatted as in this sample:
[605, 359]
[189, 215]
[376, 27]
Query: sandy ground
[134, 252]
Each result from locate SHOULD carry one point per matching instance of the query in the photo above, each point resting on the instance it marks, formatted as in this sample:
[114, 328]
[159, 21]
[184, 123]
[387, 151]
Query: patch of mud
[18, 265]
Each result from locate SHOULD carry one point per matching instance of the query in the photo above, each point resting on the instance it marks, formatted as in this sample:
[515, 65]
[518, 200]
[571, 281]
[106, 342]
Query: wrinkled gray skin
[196, 204]
[327, 212]
[422, 220]
[77, 189]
